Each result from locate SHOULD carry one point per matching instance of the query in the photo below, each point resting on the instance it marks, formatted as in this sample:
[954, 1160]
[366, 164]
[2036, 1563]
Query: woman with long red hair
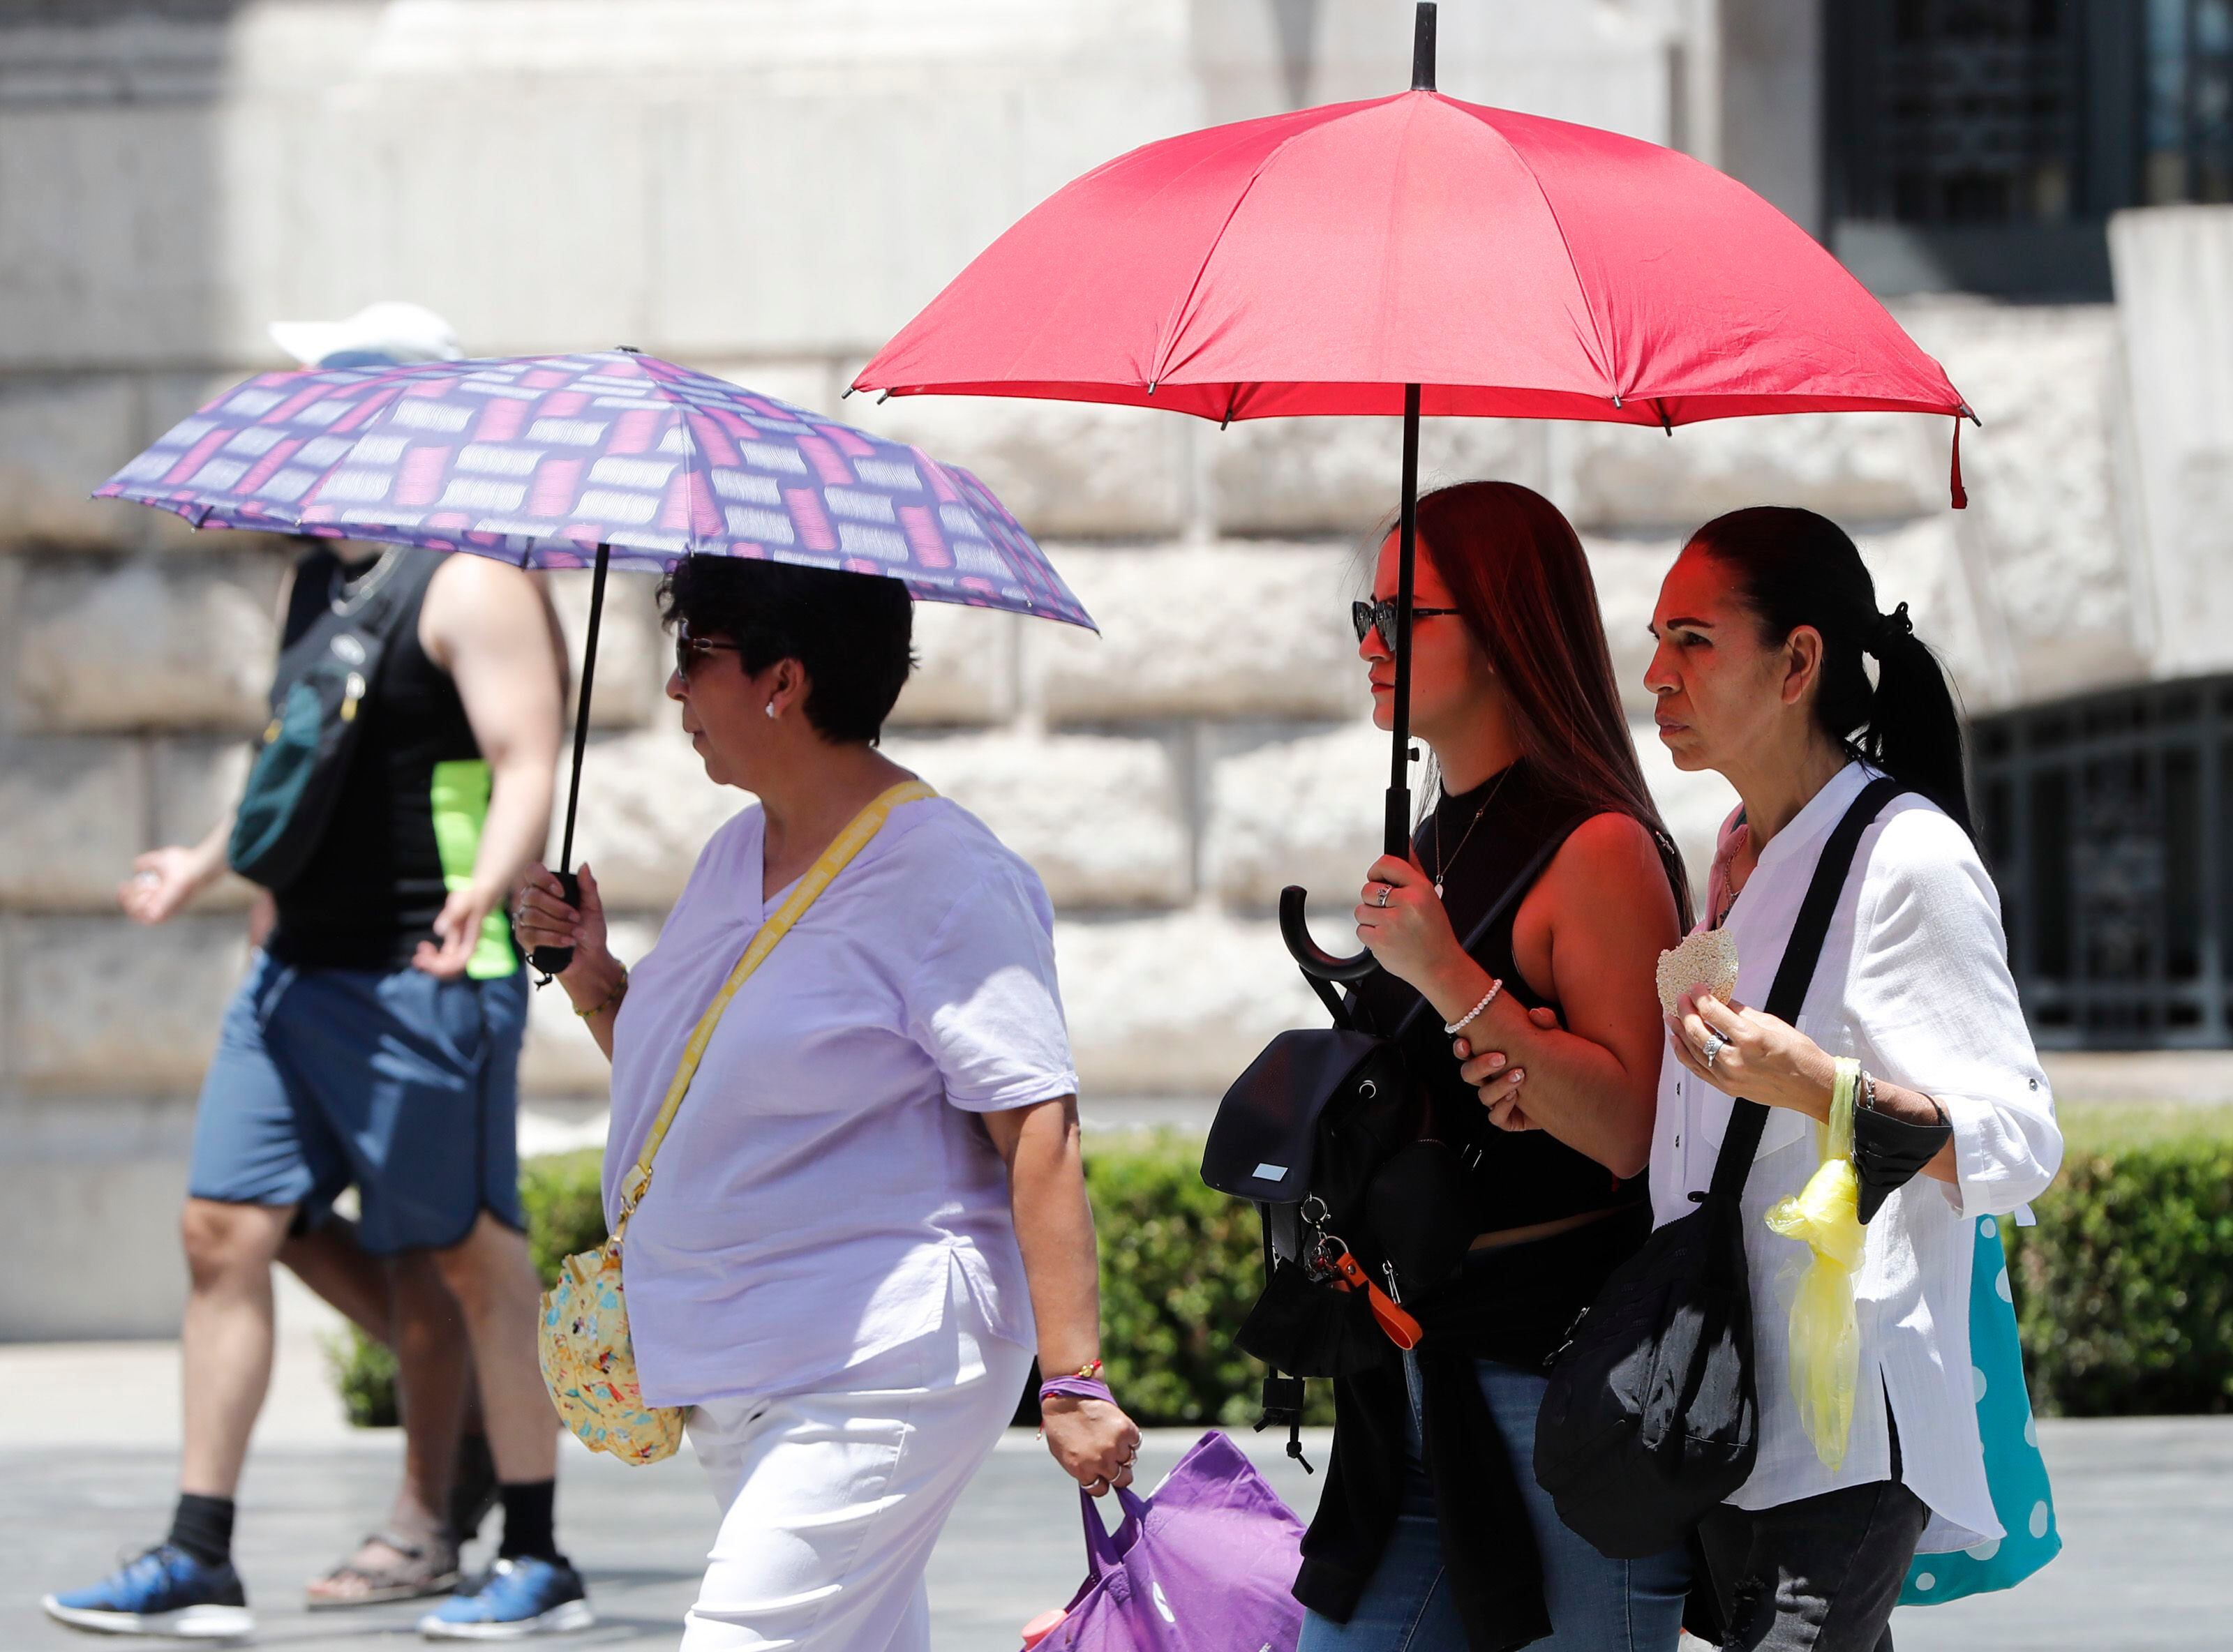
[1540, 889]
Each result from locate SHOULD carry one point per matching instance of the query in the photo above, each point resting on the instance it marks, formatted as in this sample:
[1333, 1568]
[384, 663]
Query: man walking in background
[374, 1044]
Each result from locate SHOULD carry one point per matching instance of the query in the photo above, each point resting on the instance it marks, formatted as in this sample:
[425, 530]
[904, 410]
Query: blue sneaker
[165, 1591]
[519, 1597]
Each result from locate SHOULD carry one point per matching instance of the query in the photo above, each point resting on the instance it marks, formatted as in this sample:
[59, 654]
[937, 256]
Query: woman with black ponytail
[1767, 627]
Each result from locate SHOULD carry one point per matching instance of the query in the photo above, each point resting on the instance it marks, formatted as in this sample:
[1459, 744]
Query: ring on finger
[1386, 889]
[1713, 1046]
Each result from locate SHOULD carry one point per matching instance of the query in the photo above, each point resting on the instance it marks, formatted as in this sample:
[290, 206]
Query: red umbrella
[1414, 254]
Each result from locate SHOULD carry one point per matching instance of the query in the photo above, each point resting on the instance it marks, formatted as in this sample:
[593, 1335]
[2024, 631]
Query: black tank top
[1520, 1178]
[409, 819]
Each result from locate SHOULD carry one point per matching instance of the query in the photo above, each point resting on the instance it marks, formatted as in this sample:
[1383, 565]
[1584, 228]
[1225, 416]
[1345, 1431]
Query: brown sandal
[418, 1571]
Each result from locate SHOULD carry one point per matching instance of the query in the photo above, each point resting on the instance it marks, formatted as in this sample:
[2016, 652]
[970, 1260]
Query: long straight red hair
[1517, 572]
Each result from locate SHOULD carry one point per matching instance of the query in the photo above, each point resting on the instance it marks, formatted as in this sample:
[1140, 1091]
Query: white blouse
[1914, 983]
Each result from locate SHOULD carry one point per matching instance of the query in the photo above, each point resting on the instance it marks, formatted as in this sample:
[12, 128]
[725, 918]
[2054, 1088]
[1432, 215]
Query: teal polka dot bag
[2014, 1469]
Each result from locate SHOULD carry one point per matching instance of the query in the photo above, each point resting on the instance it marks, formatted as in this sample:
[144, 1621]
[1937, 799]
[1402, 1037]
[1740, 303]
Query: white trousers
[834, 1501]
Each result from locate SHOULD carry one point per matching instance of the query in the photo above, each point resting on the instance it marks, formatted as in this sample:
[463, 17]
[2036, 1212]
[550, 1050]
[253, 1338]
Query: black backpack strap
[1796, 973]
[313, 622]
[400, 598]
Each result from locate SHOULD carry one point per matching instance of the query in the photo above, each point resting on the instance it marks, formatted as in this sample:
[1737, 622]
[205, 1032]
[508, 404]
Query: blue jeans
[1596, 1604]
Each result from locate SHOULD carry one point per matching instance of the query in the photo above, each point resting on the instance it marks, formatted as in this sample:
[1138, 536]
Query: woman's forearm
[1576, 1088]
[1054, 1229]
[1912, 1107]
[1806, 1083]
[595, 988]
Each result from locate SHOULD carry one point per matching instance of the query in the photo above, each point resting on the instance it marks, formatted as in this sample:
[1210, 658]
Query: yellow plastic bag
[1825, 1336]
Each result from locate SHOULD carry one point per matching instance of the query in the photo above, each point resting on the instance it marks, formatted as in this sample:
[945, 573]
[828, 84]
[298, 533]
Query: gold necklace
[1441, 865]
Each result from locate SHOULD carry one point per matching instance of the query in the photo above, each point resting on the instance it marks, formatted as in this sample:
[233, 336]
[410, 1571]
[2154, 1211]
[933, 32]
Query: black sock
[203, 1528]
[527, 1510]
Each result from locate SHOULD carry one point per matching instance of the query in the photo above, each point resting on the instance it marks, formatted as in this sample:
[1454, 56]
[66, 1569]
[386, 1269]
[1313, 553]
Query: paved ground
[89, 1439]
[2147, 1509]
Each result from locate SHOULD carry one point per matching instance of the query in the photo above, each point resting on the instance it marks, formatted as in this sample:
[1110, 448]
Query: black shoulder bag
[323, 676]
[1652, 1418]
[1302, 1134]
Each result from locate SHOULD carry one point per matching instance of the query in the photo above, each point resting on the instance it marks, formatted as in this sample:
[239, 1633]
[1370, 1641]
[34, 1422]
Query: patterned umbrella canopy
[543, 460]
[608, 458]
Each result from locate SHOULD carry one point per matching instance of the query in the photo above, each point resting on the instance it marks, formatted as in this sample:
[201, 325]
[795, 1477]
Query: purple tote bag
[1205, 1564]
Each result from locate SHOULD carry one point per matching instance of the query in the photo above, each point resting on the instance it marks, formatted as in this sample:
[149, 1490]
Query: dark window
[1981, 145]
[2187, 135]
[2105, 820]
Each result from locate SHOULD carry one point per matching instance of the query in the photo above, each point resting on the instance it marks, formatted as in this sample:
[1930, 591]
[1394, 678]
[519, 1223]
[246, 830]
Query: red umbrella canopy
[1318, 262]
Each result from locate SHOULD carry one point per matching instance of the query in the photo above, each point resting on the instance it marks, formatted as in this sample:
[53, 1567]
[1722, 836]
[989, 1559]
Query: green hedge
[2124, 1291]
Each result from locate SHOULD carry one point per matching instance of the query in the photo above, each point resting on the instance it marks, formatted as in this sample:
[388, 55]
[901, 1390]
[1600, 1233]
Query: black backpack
[324, 675]
[1652, 1419]
[1303, 1134]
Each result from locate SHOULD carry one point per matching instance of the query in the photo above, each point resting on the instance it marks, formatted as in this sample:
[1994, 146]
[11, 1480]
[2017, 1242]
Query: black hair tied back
[1889, 629]
[1797, 567]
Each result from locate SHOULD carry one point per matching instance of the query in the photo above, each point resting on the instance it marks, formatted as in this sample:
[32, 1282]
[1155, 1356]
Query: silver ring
[1386, 889]
[1714, 1044]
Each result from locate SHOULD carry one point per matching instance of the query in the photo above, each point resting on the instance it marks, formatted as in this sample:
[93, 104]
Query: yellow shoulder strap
[842, 848]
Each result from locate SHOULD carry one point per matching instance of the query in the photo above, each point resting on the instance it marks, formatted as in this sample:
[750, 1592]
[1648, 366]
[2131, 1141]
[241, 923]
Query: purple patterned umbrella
[543, 460]
[589, 460]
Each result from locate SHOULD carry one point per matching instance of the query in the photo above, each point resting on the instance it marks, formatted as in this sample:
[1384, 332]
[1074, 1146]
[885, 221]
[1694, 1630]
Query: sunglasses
[688, 650]
[1368, 616]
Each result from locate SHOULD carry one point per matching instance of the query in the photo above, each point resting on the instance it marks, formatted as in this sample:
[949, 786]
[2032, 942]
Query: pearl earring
[771, 708]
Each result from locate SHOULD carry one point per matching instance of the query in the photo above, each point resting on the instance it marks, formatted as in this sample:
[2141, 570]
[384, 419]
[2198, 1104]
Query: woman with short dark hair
[1912, 1028]
[871, 1194]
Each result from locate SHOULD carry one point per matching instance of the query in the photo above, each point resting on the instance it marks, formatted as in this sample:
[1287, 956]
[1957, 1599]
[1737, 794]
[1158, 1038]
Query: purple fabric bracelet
[1078, 1387]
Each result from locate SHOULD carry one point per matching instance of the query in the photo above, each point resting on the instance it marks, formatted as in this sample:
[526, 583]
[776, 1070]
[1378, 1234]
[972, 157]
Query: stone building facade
[767, 191]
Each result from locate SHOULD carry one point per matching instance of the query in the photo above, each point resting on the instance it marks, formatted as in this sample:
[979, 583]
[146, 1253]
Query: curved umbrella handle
[1316, 961]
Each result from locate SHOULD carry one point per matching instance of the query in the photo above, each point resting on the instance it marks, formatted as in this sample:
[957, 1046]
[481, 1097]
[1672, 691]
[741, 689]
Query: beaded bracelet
[1454, 1028]
[620, 990]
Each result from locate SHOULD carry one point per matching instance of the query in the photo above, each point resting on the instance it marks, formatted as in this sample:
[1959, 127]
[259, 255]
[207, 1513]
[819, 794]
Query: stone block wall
[172, 179]
[1166, 777]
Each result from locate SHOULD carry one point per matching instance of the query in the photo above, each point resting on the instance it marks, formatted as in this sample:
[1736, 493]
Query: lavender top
[828, 1172]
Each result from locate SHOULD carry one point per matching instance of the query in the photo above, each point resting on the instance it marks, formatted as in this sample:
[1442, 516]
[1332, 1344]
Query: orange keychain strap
[1402, 1329]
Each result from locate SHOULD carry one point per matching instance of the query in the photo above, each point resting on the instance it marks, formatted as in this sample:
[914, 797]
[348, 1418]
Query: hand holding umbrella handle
[1316, 961]
[554, 961]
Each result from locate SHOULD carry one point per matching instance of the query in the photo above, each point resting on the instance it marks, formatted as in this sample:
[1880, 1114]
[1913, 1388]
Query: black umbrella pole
[1317, 963]
[1396, 833]
[553, 959]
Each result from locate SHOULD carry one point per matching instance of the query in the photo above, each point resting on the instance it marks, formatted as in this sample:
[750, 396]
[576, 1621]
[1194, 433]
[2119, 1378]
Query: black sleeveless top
[375, 883]
[1518, 1178]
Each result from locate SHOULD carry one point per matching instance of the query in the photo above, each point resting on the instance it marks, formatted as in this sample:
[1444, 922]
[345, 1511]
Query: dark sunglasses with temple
[1366, 616]
[688, 650]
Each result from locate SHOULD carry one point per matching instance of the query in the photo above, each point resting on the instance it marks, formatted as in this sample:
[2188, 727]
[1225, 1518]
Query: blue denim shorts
[401, 1085]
